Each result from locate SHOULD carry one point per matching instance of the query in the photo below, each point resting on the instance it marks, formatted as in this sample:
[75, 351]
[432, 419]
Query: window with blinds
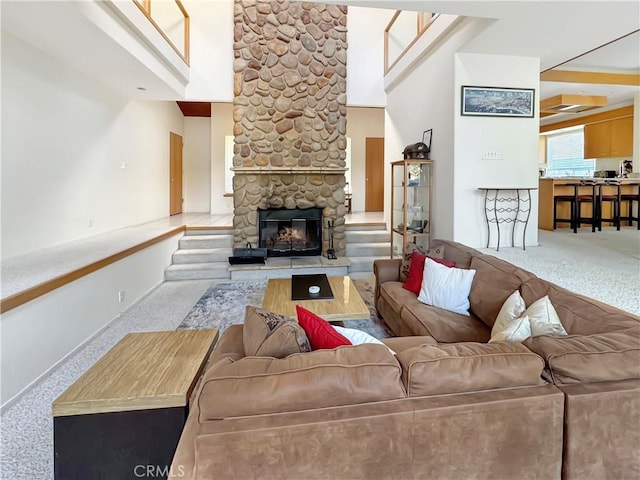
[565, 155]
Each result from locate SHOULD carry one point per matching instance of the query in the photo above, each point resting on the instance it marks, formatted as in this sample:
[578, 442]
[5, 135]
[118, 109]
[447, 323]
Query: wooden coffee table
[125, 415]
[347, 304]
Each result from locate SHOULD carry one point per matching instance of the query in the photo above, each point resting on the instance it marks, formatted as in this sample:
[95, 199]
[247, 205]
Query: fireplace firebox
[290, 232]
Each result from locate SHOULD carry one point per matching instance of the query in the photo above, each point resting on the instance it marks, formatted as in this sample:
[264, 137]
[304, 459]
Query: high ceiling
[597, 36]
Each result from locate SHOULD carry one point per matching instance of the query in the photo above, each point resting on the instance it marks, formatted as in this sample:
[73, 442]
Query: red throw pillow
[320, 332]
[416, 271]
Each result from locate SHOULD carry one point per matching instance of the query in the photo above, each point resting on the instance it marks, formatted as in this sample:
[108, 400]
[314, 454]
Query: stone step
[198, 271]
[195, 232]
[363, 264]
[284, 267]
[368, 249]
[206, 241]
[365, 226]
[202, 255]
[367, 236]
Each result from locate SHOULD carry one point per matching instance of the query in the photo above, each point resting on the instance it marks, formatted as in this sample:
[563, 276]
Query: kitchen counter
[550, 187]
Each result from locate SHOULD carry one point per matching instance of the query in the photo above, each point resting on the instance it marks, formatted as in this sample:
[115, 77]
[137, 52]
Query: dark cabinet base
[119, 445]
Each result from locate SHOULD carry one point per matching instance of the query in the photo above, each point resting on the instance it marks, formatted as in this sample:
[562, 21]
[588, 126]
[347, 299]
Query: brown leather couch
[360, 412]
[597, 366]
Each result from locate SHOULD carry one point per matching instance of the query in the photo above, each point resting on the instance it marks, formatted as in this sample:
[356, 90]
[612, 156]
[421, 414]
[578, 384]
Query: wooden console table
[123, 418]
[500, 208]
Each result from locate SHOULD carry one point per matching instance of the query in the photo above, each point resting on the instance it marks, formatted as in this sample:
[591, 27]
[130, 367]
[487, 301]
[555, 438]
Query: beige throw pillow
[436, 252]
[511, 325]
[267, 334]
[544, 318]
[515, 324]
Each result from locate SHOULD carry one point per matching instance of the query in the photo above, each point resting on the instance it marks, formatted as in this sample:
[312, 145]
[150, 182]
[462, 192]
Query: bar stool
[591, 198]
[614, 199]
[571, 199]
[630, 198]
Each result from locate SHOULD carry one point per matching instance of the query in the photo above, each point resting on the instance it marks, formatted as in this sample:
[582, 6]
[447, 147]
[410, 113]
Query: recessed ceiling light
[143, 89]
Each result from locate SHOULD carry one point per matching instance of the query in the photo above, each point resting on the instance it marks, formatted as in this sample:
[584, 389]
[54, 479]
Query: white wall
[38, 335]
[65, 139]
[196, 164]
[361, 123]
[211, 50]
[425, 93]
[422, 97]
[221, 125]
[515, 138]
[365, 56]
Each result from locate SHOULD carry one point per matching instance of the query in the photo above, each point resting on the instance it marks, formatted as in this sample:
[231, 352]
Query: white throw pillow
[511, 325]
[358, 337]
[445, 287]
[544, 318]
[518, 330]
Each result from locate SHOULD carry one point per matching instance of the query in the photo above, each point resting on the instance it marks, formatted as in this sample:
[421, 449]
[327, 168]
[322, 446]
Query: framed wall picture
[497, 102]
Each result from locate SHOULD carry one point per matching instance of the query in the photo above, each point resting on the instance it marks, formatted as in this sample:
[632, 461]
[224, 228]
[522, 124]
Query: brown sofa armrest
[387, 270]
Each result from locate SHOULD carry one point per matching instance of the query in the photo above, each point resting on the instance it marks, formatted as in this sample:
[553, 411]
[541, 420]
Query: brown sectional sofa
[446, 405]
[360, 412]
[597, 366]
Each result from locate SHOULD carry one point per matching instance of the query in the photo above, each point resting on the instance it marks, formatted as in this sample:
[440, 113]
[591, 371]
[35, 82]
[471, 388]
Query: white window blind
[565, 155]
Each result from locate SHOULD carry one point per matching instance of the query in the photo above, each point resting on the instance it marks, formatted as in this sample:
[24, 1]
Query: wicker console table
[507, 205]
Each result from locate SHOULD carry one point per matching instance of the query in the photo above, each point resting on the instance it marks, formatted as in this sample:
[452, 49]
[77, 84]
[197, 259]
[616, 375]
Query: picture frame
[497, 102]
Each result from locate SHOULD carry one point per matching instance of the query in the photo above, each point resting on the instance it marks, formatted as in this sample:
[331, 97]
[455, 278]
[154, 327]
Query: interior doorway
[374, 174]
[175, 173]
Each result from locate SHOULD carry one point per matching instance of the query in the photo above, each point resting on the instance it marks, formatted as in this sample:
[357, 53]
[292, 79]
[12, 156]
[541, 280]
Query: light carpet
[224, 304]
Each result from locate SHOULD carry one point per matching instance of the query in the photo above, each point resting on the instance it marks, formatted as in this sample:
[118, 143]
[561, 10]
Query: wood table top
[143, 371]
[347, 304]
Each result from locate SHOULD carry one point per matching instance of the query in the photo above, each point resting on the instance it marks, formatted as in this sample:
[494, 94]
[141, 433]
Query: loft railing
[171, 20]
[404, 29]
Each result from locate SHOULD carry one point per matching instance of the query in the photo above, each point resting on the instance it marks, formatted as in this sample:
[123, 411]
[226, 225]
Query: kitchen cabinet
[410, 204]
[613, 138]
[622, 137]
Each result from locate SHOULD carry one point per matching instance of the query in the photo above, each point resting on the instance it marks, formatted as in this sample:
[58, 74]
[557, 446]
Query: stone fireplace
[289, 114]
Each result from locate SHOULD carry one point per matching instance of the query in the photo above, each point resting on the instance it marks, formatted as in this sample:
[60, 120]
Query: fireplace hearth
[290, 232]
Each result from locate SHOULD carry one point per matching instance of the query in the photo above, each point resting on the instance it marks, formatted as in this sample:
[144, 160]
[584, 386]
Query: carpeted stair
[205, 255]
[202, 256]
[366, 244]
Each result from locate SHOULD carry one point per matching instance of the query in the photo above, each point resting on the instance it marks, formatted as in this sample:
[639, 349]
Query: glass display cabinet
[410, 204]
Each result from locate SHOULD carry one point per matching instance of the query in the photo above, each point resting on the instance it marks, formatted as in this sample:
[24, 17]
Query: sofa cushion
[468, 367]
[396, 296]
[398, 344]
[456, 252]
[229, 344]
[578, 314]
[442, 325]
[258, 385]
[409, 249]
[446, 287]
[589, 358]
[493, 282]
[272, 335]
[320, 332]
